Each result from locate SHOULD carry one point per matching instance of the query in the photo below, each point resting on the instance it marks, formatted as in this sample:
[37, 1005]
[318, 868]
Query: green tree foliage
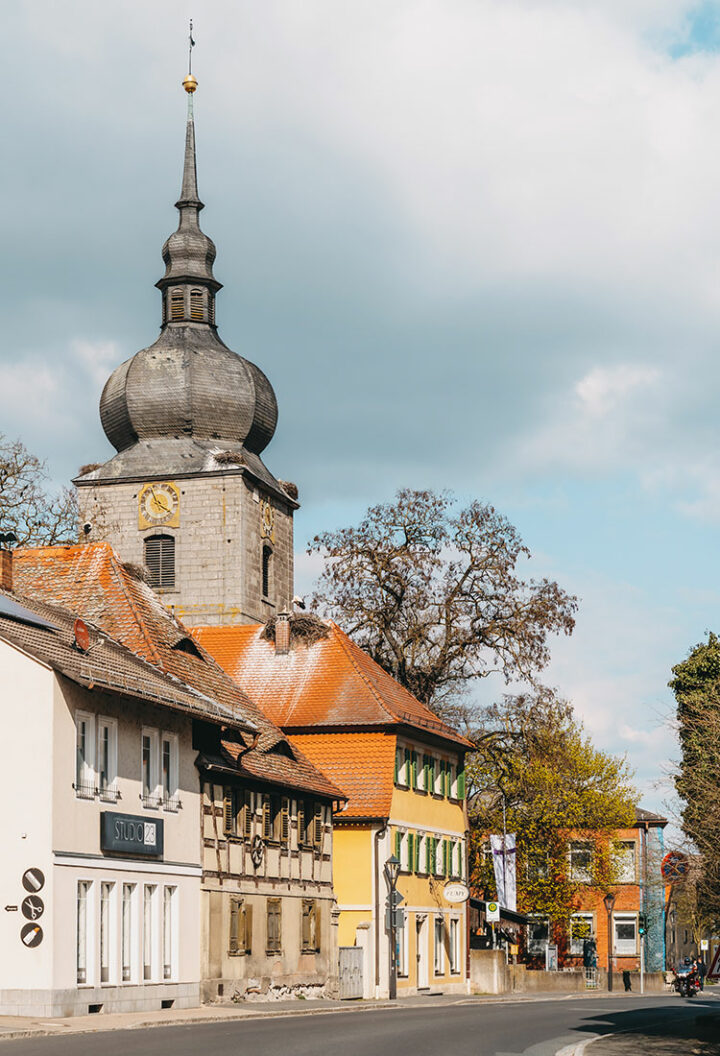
[533, 754]
[37, 516]
[432, 592]
[696, 685]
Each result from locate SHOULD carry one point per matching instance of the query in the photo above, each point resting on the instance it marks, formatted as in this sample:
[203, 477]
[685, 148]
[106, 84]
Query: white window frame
[581, 874]
[576, 946]
[169, 932]
[89, 932]
[132, 935]
[623, 948]
[454, 945]
[149, 941]
[440, 764]
[404, 947]
[419, 785]
[108, 931]
[152, 795]
[104, 723]
[85, 774]
[439, 843]
[438, 947]
[170, 796]
[625, 855]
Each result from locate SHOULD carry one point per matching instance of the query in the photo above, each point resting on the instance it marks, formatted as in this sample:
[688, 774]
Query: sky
[474, 244]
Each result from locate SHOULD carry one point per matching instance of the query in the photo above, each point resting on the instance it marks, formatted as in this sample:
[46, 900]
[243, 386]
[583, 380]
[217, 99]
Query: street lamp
[609, 901]
[392, 871]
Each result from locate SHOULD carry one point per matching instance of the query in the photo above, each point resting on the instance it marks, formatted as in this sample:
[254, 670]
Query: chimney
[282, 634]
[6, 569]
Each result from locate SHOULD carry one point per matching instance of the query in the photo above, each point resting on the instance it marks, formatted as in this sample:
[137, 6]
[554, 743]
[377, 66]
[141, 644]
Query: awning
[505, 914]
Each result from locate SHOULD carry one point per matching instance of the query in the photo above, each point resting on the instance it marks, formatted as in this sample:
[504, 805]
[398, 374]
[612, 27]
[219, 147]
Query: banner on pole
[503, 850]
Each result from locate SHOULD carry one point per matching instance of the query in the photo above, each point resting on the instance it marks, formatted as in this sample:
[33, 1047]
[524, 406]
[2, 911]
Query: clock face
[159, 504]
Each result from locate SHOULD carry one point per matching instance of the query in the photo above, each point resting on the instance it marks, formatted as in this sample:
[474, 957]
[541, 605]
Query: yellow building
[402, 770]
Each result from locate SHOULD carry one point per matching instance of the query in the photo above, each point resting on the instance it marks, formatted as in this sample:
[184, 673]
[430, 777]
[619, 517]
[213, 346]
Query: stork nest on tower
[304, 627]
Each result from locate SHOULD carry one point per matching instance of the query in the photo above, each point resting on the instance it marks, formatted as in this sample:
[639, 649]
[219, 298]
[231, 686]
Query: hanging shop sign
[455, 892]
[129, 834]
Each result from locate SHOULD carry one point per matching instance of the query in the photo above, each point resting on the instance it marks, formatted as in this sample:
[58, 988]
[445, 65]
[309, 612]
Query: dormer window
[197, 307]
[177, 304]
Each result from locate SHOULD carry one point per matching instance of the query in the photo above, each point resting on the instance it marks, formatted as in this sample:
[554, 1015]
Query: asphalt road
[477, 1029]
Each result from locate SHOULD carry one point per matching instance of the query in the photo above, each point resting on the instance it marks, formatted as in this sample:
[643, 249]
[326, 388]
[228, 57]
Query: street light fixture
[609, 901]
[392, 871]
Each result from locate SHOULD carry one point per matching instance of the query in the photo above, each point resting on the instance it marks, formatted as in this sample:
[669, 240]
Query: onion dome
[187, 395]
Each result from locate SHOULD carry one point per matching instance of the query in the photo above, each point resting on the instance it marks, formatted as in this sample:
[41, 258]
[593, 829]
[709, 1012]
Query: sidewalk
[12, 1027]
[695, 1030]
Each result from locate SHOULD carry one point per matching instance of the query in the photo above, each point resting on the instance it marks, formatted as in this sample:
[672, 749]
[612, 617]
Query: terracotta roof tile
[329, 683]
[92, 581]
[361, 763]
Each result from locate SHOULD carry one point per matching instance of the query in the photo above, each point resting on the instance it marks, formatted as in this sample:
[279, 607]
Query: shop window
[439, 946]
[106, 892]
[168, 933]
[149, 892]
[625, 931]
[127, 932]
[454, 945]
[83, 936]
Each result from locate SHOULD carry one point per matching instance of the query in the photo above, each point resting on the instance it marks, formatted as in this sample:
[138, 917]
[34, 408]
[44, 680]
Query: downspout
[376, 861]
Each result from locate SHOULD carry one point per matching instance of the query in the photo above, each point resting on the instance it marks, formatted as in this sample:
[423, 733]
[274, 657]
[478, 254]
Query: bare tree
[431, 592]
[38, 516]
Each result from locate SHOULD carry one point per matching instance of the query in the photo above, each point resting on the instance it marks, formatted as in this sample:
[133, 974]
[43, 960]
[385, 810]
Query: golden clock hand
[160, 502]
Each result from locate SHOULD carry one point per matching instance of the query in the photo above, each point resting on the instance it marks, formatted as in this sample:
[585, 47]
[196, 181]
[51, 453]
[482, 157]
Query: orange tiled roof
[360, 763]
[329, 683]
[92, 581]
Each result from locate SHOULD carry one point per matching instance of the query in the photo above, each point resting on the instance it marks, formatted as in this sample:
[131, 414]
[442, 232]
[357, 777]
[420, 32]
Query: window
[83, 938]
[196, 305]
[452, 781]
[430, 854]
[177, 306]
[581, 928]
[266, 570]
[106, 890]
[625, 926]
[148, 928]
[399, 847]
[536, 866]
[107, 758]
[399, 766]
[128, 897]
[403, 943]
[439, 786]
[168, 941]
[160, 561]
[429, 768]
[538, 933]
[240, 928]
[454, 945]
[420, 851]
[285, 821]
[318, 826]
[84, 755]
[310, 926]
[624, 861]
[581, 862]
[169, 771]
[274, 925]
[151, 796]
[439, 959]
[418, 775]
[306, 822]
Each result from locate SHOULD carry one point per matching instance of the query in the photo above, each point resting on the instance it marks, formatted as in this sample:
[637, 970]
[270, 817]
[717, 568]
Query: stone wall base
[150, 997]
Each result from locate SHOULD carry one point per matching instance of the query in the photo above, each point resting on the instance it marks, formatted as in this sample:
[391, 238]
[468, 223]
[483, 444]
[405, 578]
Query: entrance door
[421, 952]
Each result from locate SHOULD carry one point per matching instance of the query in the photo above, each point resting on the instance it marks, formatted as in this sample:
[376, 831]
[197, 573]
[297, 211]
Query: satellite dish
[82, 636]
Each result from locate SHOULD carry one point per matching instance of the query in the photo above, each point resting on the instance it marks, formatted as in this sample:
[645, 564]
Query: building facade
[403, 773]
[187, 495]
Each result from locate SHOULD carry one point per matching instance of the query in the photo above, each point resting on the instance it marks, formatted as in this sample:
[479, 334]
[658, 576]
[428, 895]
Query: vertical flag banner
[503, 850]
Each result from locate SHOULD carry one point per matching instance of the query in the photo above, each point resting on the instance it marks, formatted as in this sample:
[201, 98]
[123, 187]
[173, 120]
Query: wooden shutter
[397, 765]
[274, 925]
[229, 816]
[285, 820]
[247, 913]
[461, 781]
[266, 818]
[398, 844]
[247, 813]
[160, 561]
[301, 823]
[413, 770]
[305, 928]
[408, 767]
[429, 854]
[235, 909]
[316, 915]
[446, 857]
[196, 305]
[411, 852]
[318, 825]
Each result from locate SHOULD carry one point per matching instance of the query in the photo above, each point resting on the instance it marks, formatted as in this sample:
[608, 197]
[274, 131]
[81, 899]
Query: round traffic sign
[31, 935]
[33, 880]
[32, 907]
[674, 866]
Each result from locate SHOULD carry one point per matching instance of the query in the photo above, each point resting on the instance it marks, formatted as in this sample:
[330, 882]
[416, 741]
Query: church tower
[187, 495]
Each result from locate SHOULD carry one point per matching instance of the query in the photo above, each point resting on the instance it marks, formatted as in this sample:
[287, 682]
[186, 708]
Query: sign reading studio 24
[128, 834]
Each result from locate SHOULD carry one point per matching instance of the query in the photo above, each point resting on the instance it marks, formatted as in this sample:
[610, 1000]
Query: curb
[578, 1048]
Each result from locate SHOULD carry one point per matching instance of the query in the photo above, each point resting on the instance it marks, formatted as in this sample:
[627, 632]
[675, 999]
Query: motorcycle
[687, 984]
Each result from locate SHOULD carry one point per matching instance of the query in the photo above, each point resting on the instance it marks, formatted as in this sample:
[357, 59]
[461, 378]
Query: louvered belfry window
[160, 561]
[197, 311]
[177, 304]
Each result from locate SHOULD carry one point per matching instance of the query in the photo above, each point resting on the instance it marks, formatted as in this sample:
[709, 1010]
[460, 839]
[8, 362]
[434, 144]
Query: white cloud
[604, 389]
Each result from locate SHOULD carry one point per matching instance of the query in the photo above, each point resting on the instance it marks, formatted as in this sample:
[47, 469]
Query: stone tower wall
[218, 544]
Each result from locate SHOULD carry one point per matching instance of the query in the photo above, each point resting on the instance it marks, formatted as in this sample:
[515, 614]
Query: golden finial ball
[190, 83]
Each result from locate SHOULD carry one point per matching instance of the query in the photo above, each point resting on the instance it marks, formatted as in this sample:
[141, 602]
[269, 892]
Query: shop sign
[129, 834]
[455, 892]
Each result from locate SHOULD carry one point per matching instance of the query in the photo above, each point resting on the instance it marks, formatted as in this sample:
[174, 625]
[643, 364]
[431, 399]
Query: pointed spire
[189, 191]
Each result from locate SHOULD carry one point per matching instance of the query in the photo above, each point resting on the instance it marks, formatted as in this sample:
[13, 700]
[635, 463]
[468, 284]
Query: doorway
[421, 951]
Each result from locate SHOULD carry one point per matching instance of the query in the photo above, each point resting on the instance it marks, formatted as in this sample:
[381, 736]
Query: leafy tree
[696, 685]
[534, 759]
[432, 593]
[37, 516]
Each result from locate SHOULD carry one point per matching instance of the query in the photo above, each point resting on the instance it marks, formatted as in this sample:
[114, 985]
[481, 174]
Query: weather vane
[190, 82]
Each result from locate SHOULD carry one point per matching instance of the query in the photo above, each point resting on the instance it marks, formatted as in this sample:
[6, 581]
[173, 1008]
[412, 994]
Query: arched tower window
[197, 307]
[177, 304]
[160, 561]
[266, 570]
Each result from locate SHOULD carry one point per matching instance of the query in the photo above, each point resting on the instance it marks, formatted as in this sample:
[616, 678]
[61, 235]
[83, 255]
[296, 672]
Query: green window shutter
[408, 767]
[448, 780]
[397, 765]
[446, 858]
[432, 774]
[430, 855]
[461, 781]
[413, 770]
[398, 844]
[411, 852]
